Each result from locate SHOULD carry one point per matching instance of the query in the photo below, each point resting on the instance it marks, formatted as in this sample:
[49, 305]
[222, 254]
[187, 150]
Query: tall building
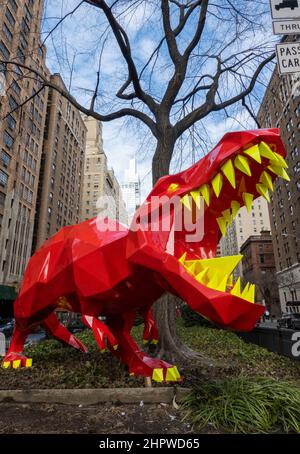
[99, 181]
[281, 108]
[131, 189]
[21, 133]
[245, 225]
[259, 267]
[61, 173]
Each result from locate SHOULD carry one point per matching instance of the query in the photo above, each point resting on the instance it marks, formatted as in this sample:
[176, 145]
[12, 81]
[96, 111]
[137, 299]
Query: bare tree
[210, 57]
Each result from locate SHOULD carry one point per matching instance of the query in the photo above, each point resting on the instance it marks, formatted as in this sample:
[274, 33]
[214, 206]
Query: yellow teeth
[227, 216]
[228, 171]
[216, 274]
[217, 184]
[254, 153]
[248, 199]
[241, 163]
[262, 190]
[266, 179]
[205, 192]
[186, 202]
[222, 224]
[235, 206]
[280, 161]
[280, 171]
[197, 198]
[266, 152]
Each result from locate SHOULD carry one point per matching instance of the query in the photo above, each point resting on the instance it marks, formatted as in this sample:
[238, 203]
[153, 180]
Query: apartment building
[281, 108]
[99, 180]
[21, 132]
[259, 267]
[62, 166]
[245, 225]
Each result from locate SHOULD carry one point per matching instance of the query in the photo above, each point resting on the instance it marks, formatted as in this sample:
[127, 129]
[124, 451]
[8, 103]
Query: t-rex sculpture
[118, 272]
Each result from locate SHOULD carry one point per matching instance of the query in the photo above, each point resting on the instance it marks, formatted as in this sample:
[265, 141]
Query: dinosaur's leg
[137, 361]
[14, 357]
[101, 332]
[150, 329]
[61, 333]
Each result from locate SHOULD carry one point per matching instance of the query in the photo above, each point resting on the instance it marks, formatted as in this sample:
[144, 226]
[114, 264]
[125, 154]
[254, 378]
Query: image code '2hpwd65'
[97, 268]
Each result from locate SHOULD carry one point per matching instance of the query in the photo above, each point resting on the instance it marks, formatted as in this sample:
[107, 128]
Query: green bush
[245, 405]
[191, 318]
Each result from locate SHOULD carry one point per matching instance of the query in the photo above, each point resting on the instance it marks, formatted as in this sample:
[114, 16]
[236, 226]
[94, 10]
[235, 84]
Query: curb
[94, 396]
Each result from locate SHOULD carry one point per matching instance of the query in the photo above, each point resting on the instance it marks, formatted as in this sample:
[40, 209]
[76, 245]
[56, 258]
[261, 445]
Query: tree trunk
[170, 345]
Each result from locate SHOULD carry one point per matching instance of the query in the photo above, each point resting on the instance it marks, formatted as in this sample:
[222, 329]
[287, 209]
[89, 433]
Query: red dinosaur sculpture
[118, 273]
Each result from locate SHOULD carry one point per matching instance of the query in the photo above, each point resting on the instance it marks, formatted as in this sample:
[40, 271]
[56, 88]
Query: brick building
[281, 108]
[258, 265]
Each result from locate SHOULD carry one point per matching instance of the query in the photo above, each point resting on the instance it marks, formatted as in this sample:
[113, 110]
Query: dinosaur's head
[239, 169]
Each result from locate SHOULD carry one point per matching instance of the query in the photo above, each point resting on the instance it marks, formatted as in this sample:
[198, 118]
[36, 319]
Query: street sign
[285, 9]
[286, 27]
[288, 57]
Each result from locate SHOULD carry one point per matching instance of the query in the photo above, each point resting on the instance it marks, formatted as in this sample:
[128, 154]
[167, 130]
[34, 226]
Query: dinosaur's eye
[173, 187]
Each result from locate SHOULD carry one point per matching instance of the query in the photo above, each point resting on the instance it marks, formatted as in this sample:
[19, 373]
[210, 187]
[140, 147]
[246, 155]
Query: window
[10, 17]
[5, 158]
[28, 14]
[3, 178]
[16, 88]
[7, 32]
[13, 103]
[2, 198]
[11, 122]
[8, 140]
[4, 51]
[13, 5]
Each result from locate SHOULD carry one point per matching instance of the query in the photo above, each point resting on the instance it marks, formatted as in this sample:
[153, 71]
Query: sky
[75, 46]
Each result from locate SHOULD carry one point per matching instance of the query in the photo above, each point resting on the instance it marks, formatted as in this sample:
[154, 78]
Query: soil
[94, 419]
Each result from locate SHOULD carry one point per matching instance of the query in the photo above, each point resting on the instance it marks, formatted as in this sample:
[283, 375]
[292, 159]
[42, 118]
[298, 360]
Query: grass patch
[245, 405]
[59, 366]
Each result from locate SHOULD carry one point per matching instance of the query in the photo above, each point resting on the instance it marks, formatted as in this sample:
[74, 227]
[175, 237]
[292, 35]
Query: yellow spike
[222, 225]
[197, 198]
[154, 341]
[248, 199]
[241, 163]
[116, 346]
[145, 341]
[254, 153]
[158, 375]
[245, 291]
[230, 281]
[235, 206]
[227, 216]
[16, 363]
[236, 291]
[202, 275]
[192, 267]
[214, 282]
[262, 190]
[217, 184]
[223, 284]
[171, 374]
[205, 192]
[6, 364]
[229, 173]
[280, 161]
[266, 179]
[221, 265]
[250, 294]
[182, 258]
[186, 202]
[280, 171]
[266, 152]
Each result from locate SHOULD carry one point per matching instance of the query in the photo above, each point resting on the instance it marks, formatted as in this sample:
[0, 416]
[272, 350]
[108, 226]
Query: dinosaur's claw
[16, 362]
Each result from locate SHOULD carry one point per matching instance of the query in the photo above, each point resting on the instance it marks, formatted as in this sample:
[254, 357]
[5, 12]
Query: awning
[7, 293]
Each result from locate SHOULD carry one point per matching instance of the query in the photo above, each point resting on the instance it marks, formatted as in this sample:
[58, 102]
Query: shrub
[245, 405]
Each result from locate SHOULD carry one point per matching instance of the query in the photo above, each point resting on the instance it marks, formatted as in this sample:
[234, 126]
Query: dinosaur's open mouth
[238, 181]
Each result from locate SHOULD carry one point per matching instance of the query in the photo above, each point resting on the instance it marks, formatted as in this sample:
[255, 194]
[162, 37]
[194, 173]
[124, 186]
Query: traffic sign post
[288, 57]
[286, 27]
[285, 9]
